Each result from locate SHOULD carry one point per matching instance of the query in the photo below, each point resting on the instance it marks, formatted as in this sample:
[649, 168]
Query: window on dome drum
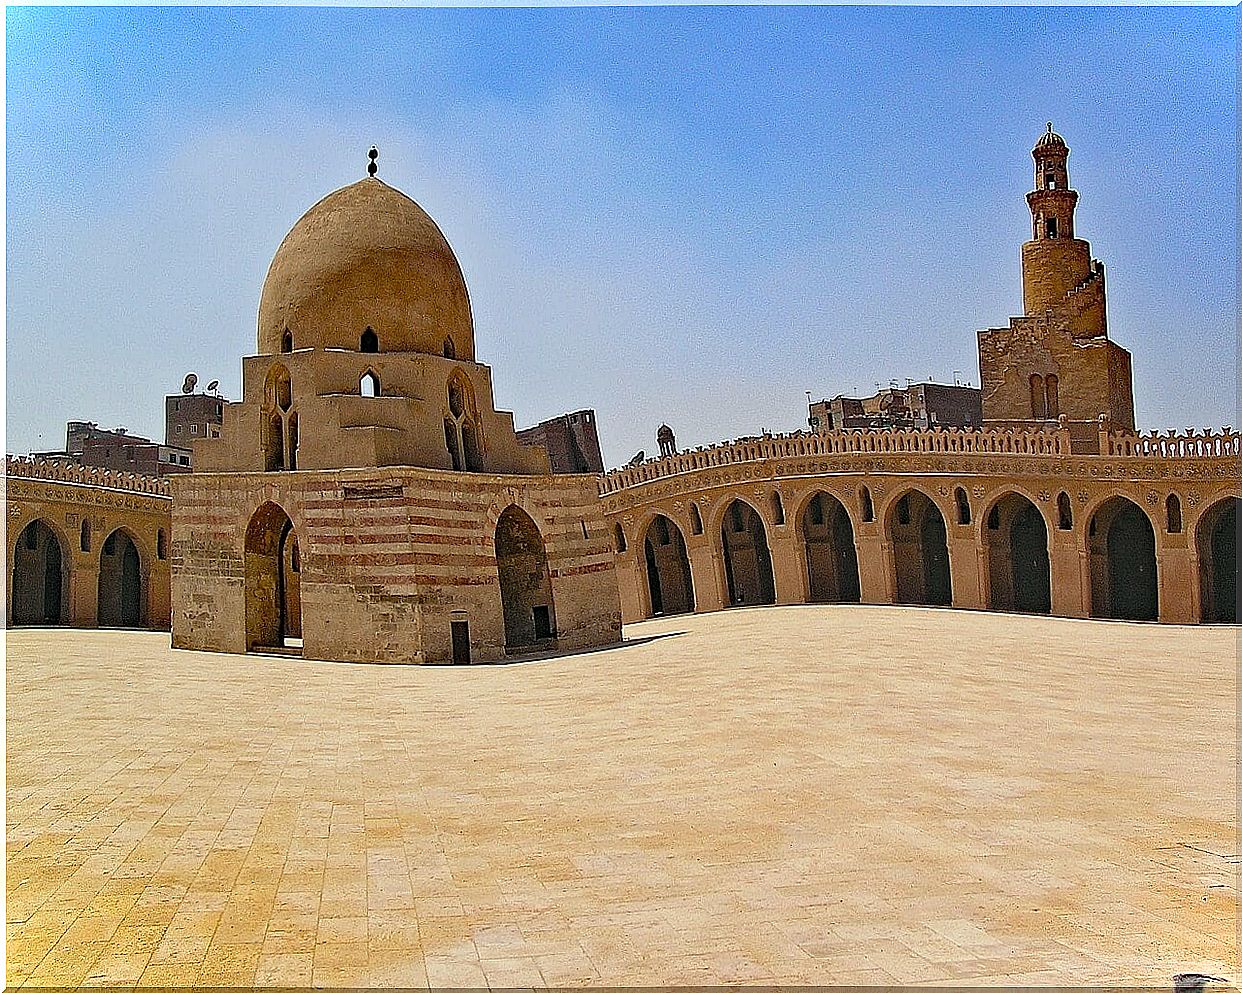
[369, 385]
[1173, 514]
[369, 342]
[450, 350]
[286, 341]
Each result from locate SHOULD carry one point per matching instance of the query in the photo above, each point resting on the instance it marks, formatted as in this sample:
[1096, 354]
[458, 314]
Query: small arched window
[696, 519]
[1039, 406]
[286, 341]
[86, 534]
[161, 544]
[293, 440]
[1052, 396]
[449, 349]
[619, 538]
[369, 342]
[778, 508]
[865, 504]
[1065, 512]
[963, 505]
[1173, 514]
[369, 385]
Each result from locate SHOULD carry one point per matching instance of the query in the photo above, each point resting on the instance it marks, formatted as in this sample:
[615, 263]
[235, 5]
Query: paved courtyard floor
[796, 795]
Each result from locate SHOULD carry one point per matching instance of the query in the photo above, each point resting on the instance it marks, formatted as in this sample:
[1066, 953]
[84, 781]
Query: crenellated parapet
[25, 467]
[1190, 444]
[800, 444]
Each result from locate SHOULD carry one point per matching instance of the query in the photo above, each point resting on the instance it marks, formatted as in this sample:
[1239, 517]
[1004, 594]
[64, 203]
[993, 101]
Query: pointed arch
[917, 531]
[1216, 538]
[369, 384]
[829, 549]
[123, 582]
[747, 559]
[670, 588]
[1173, 514]
[525, 580]
[40, 580]
[1015, 542]
[1122, 549]
[962, 502]
[369, 341]
[273, 595]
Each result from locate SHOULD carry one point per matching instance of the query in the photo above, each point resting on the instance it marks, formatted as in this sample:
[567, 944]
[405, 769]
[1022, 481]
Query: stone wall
[83, 508]
[695, 489]
[389, 558]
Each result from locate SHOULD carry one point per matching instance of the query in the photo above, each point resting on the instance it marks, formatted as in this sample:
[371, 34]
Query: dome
[1050, 139]
[366, 257]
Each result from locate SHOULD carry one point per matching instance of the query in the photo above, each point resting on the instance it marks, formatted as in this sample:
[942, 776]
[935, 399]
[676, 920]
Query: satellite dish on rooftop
[213, 386]
[191, 381]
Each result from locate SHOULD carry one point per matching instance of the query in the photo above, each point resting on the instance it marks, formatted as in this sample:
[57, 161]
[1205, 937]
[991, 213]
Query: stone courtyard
[793, 795]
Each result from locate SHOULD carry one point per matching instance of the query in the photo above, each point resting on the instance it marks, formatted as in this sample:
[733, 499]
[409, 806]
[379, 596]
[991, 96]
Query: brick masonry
[389, 558]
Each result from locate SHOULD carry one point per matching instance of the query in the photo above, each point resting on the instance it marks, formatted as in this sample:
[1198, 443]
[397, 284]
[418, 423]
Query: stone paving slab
[797, 796]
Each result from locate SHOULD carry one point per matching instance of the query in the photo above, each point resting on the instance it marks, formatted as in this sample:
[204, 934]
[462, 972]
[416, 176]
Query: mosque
[365, 500]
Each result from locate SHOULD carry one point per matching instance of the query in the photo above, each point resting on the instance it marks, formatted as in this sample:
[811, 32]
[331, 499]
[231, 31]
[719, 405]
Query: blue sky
[691, 214]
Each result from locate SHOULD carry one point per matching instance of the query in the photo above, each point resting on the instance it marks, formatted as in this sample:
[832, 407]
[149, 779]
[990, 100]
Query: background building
[917, 407]
[191, 416]
[87, 444]
[570, 440]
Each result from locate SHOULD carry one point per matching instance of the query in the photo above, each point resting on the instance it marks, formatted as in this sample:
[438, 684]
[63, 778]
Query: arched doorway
[1217, 539]
[525, 582]
[920, 551]
[121, 583]
[747, 560]
[668, 568]
[1015, 540]
[1122, 545]
[40, 577]
[273, 581]
[831, 558]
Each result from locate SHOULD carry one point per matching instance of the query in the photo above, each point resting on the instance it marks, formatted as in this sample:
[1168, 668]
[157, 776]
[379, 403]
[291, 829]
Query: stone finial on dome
[373, 154]
[1050, 139]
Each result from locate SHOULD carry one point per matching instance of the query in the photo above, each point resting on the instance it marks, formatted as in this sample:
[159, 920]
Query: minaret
[1055, 365]
[1058, 273]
